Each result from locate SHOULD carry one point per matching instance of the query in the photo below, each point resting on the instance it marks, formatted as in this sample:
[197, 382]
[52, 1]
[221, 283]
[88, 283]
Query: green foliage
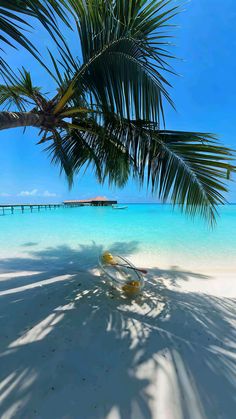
[125, 53]
[14, 22]
[20, 92]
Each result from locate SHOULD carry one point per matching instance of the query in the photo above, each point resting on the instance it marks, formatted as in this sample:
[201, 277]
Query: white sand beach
[70, 349]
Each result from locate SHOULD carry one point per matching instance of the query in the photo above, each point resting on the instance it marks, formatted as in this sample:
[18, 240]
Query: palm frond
[90, 145]
[185, 168]
[102, 22]
[73, 112]
[14, 25]
[124, 67]
[19, 91]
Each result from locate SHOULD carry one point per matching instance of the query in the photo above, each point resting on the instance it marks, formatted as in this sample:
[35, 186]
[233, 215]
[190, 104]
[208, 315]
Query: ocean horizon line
[119, 202]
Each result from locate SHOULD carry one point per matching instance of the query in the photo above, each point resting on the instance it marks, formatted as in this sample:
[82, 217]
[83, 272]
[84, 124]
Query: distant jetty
[23, 207]
[99, 201]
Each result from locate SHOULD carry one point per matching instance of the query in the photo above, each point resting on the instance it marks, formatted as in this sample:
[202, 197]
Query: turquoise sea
[154, 230]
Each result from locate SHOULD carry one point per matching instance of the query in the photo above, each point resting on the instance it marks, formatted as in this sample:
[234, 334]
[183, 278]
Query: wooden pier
[23, 207]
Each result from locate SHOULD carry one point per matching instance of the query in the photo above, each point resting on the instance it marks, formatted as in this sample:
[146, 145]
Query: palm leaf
[13, 23]
[81, 148]
[185, 168]
[188, 169]
[19, 91]
[75, 111]
[65, 98]
[123, 69]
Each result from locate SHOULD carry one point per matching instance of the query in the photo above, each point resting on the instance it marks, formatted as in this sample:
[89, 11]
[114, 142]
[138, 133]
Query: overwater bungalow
[99, 201]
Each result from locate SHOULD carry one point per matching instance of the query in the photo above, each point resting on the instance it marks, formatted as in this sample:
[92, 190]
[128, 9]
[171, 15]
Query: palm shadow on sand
[70, 348]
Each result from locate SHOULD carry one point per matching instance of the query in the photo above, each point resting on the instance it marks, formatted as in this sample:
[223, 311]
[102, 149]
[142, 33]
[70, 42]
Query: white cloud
[28, 193]
[4, 194]
[47, 193]
[36, 192]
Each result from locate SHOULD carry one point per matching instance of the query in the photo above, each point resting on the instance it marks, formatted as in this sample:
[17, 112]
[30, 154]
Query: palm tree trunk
[19, 119]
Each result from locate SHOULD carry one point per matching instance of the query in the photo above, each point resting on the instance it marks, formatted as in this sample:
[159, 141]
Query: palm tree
[108, 111]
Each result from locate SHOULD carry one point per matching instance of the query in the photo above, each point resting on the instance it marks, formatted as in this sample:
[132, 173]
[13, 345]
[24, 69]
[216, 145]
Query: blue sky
[204, 96]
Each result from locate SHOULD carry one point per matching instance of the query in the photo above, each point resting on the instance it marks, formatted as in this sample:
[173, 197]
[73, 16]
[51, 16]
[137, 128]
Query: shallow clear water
[142, 228]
